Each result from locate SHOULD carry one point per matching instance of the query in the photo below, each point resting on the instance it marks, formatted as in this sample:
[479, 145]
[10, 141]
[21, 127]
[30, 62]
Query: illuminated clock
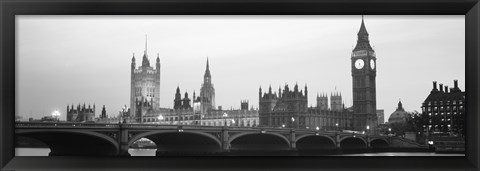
[359, 63]
[372, 64]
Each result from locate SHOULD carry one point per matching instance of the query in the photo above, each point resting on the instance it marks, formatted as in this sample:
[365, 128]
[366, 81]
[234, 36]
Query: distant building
[145, 87]
[80, 113]
[381, 116]
[399, 115]
[187, 116]
[445, 109]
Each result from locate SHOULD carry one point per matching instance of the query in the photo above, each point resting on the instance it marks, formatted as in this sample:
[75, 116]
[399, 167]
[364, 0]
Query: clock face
[372, 64]
[359, 64]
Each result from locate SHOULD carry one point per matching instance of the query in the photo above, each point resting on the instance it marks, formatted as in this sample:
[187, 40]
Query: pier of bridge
[115, 139]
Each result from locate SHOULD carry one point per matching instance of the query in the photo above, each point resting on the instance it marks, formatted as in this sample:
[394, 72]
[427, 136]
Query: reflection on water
[32, 151]
[151, 152]
[142, 152]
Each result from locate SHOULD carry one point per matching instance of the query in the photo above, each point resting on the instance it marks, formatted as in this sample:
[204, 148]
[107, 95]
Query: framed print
[239, 85]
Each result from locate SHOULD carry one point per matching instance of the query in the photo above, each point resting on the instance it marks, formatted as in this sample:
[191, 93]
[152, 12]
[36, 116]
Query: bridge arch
[235, 136]
[73, 142]
[187, 142]
[379, 143]
[150, 133]
[349, 142]
[315, 143]
[308, 135]
[256, 143]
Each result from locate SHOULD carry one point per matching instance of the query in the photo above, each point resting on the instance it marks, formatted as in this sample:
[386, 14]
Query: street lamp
[160, 118]
[317, 128]
[336, 125]
[56, 115]
[233, 121]
[283, 125]
[389, 131]
[225, 115]
[293, 120]
[368, 129]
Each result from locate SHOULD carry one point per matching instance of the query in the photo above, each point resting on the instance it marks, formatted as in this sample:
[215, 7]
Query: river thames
[151, 152]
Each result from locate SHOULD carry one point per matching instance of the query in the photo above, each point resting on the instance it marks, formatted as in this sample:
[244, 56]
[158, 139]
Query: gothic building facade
[289, 109]
[207, 92]
[145, 87]
[80, 113]
[363, 65]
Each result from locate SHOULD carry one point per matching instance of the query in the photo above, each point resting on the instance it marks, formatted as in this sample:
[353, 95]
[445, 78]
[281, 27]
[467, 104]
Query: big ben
[363, 83]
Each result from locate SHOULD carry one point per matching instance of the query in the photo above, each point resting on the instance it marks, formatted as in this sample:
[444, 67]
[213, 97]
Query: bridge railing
[63, 125]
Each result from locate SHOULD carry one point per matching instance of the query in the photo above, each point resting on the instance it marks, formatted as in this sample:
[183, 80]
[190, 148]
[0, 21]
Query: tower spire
[362, 41]
[145, 44]
[145, 61]
[207, 70]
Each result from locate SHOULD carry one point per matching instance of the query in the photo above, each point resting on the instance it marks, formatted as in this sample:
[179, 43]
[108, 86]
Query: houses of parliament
[287, 107]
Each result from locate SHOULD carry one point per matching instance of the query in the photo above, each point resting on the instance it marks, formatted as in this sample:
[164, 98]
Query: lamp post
[225, 115]
[123, 114]
[389, 131]
[336, 125]
[283, 125]
[293, 120]
[160, 118]
[56, 115]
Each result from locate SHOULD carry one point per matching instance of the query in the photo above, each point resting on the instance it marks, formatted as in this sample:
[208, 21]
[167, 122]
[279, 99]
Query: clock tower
[363, 83]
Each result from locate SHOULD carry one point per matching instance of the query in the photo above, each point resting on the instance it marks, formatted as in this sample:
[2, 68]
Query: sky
[65, 60]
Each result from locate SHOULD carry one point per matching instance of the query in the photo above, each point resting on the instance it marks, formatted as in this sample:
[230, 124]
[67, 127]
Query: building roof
[399, 115]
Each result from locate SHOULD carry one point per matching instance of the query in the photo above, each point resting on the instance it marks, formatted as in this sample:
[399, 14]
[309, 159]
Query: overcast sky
[62, 60]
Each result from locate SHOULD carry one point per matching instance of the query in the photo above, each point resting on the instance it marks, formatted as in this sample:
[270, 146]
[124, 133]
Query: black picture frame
[10, 8]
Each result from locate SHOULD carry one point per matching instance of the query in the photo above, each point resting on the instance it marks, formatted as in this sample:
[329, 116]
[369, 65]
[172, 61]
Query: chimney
[434, 85]
[446, 89]
[441, 87]
[455, 82]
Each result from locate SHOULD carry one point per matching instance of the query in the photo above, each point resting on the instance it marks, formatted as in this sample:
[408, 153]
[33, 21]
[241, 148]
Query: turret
[260, 92]
[306, 91]
[186, 101]
[133, 62]
[177, 102]
[157, 64]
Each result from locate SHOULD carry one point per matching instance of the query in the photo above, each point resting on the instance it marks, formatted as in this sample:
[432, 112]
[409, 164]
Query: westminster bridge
[116, 139]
